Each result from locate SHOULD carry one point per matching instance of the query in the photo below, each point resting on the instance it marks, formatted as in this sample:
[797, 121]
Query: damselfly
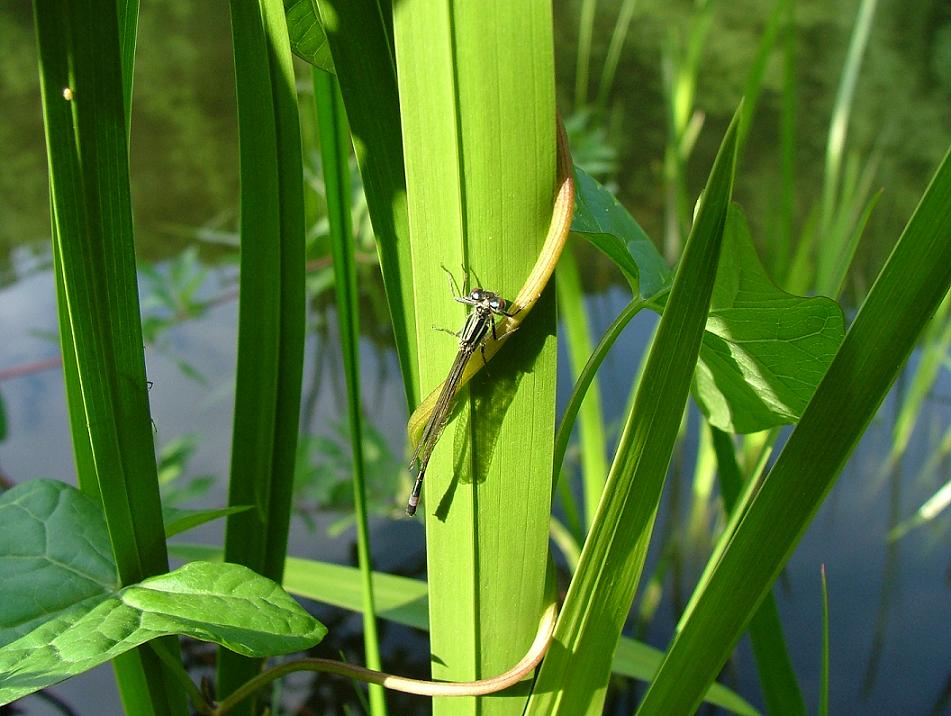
[486, 305]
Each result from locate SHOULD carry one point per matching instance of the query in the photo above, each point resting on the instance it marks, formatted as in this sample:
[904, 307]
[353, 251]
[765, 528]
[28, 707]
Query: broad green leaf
[575, 673]
[222, 603]
[764, 533]
[605, 223]
[764, 351]
[54, 553]
[63, 612]
[308, 39]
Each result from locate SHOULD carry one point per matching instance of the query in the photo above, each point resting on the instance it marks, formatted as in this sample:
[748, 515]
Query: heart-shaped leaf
[764, 350]
[62, 613]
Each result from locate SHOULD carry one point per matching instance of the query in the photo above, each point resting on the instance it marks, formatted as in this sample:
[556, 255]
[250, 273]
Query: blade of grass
[787, 141]
[583, 62]
[480, 166]
[618, 37]
[754, 81]
[271, 309]
[574, 675]
[94, 256]
[776, 674]
[585, 377]
[360, 35]
[334, 141]
[594, 466]
[762, 537]
[838, 126]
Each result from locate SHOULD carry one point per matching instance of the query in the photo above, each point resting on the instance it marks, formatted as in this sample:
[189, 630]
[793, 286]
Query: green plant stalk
[360, 37]
[681, 68]
[787, 141]
[906, 293]
[79, 47]
[754, 81]
[585, 378]
[618, 37]
[777, 677]
[271, 309]
[334, 141]
[838, 126]
[583, 61]
[480, 151]
[574, 675]
[935, 345]
[594, 467]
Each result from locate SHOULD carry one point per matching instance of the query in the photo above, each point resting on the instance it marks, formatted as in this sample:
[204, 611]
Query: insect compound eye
[496, 304]
[476, 294]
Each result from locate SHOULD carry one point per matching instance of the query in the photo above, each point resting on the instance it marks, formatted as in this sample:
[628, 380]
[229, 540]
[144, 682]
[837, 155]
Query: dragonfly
[486, 305]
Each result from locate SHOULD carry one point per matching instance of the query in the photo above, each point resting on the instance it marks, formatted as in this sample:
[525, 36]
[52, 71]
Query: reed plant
[451, 114]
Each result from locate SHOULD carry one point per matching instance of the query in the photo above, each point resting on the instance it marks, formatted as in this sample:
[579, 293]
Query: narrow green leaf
[360, 36]
[271, 310]
[776, 673]
[83, 47]
[640, 661]
[178, 520]
[839, 123]
[907, 292]
[334, 151]
[571, 312]
[601, 219]
[574, 674]
[764, 350]
[480, 149]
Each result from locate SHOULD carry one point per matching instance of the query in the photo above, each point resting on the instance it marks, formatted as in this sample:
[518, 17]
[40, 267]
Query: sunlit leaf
[764, 351]
[608, 225]
[62, 611]
[308, 39]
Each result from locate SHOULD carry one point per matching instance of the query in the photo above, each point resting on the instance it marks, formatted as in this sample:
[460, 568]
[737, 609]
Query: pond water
[890, 602]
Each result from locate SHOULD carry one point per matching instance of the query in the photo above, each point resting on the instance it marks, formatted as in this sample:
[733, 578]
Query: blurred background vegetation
[184, 159]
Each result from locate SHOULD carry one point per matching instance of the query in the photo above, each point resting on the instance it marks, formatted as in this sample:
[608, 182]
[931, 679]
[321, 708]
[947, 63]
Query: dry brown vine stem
[461, 688]
[522, 305]
[536, 651]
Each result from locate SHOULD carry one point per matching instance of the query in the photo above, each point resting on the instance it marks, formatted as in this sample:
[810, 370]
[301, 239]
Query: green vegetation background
[184, 123]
